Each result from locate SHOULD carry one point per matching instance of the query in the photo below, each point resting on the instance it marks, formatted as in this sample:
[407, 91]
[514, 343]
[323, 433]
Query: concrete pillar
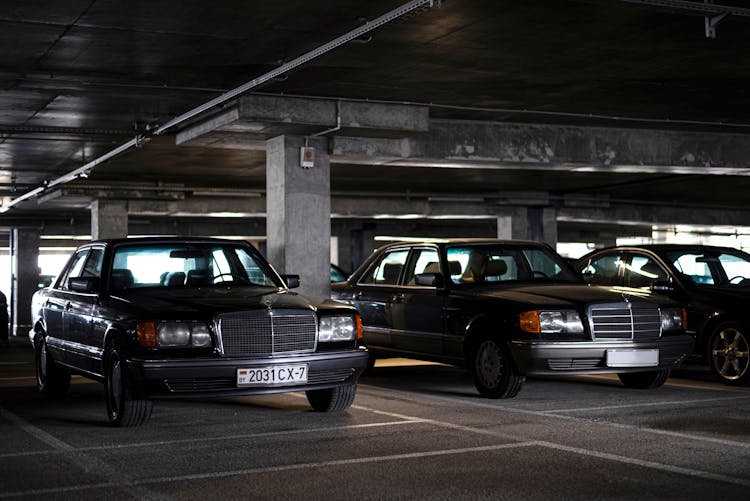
[528, 223]
[25, 249]
[298, 212]
[513, 224]
[109, 219]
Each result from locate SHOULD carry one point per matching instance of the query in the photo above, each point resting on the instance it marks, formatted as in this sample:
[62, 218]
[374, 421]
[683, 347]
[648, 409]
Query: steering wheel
[739, 279]
[539, 274]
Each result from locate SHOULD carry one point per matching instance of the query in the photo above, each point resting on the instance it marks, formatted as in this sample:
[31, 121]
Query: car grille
[267, 332]
[625, 321]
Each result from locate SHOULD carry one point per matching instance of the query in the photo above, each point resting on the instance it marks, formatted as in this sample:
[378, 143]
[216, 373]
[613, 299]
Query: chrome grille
[267, 332]
[625, 321]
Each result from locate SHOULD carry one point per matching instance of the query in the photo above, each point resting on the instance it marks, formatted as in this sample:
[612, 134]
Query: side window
[387, 270]
[423, 261]
[604, 269]
[74, 269]
[643, 271]
[695, 267]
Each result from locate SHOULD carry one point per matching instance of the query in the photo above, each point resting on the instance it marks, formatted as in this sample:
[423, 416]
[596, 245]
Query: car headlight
[551, 322]
[672, 319]
[339, 328]
[169, 334]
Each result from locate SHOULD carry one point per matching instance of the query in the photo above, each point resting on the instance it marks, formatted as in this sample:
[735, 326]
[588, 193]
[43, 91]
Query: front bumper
[217, 377]
[536, 358]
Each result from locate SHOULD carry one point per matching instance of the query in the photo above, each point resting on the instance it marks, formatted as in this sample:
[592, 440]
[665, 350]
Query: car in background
[712, 282]
[507, 309]
[196, 317]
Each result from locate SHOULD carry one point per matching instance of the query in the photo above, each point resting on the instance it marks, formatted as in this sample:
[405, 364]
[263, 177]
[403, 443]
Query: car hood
[206, 302]
[565, 295]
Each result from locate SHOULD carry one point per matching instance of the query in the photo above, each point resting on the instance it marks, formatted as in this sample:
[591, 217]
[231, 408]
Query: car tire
[51, 379]
[125, 407]
[335, 399]
[493, 370]
[644, 380]
[729, 354]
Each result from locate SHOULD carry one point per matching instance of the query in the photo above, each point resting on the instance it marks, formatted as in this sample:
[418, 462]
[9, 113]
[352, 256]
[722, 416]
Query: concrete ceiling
[81, 77]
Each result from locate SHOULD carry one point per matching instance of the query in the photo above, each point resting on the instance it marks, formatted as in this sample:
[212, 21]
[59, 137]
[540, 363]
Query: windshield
[188, 265]
[712, 268]
[491, 264]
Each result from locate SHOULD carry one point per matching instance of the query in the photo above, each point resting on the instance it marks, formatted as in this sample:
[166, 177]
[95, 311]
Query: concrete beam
[256, 118]
[492, 145]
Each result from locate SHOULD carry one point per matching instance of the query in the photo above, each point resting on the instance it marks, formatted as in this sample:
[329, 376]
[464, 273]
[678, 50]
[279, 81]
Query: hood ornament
[268, 301]
[625, 297]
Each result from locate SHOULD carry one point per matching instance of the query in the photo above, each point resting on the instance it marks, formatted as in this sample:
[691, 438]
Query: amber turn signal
[529, 322]
[684, 319]
[358, 321]
[147, 334]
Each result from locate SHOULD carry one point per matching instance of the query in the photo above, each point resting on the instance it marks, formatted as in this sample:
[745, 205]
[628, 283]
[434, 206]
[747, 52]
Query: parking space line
[646, 404]
[280, 468]
[83, 461]
[577, 450]
[687, 436]
[219, 438]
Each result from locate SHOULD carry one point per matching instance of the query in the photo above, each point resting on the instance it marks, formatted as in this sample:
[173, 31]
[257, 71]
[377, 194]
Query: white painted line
[584, 452]
[664, 403]
[88, 464]
[274, 469]
[687, 436]
[195, 440]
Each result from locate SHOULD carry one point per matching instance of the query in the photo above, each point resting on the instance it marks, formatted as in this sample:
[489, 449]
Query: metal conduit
[307, 57]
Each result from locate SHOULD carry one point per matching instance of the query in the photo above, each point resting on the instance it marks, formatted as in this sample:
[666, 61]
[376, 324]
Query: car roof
[151, 240]
[669, 247]
[453, 241]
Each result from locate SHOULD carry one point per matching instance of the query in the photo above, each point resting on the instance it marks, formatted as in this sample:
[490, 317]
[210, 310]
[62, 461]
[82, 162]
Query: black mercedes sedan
[507, 309]
[197, 317]
[712, 282]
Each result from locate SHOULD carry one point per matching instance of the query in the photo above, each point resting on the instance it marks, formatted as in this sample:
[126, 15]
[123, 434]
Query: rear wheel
[332, 399]
[125, 406]
[51, 379]
[644, 380]
[493, 371]
[729, 354]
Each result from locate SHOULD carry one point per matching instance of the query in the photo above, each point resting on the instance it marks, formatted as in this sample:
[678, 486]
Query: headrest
[495, 268]
[391, 271]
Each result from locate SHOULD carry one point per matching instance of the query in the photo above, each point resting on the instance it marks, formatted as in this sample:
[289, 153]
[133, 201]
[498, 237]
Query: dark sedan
[190, 317]
[712, 282]
[507, 309]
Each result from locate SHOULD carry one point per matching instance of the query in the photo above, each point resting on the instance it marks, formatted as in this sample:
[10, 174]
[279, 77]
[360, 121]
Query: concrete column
[109, 219]
[298, 208]
[513, 224]
[528, 223]
[25, 243]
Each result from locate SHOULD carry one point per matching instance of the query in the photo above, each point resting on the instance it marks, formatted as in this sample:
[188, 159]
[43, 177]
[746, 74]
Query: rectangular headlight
[671, 319]
[183, 334]
[339, 328]
[564, 321]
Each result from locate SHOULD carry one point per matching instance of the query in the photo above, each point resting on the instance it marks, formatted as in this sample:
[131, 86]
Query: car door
[78, 319]
[376, 290]
[54, 307]
[641, 270]
[417, 310]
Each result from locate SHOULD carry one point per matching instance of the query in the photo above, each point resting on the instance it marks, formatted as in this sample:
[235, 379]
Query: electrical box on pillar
[307, 157]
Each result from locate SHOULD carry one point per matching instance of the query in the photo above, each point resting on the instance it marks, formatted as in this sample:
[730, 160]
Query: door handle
[397, 298]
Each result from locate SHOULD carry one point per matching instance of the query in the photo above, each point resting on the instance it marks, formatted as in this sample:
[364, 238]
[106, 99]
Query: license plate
[272, 375]
[632, 358]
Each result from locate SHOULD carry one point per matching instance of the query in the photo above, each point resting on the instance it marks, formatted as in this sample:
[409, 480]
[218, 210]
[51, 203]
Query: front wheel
[644, 380]
[51, 379]
[493, 371]
[335, 399]
[729, 355]
[124, 406]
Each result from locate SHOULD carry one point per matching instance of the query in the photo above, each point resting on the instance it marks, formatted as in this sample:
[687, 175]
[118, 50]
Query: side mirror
[292, 281]
[429, 279]
[84, 284]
